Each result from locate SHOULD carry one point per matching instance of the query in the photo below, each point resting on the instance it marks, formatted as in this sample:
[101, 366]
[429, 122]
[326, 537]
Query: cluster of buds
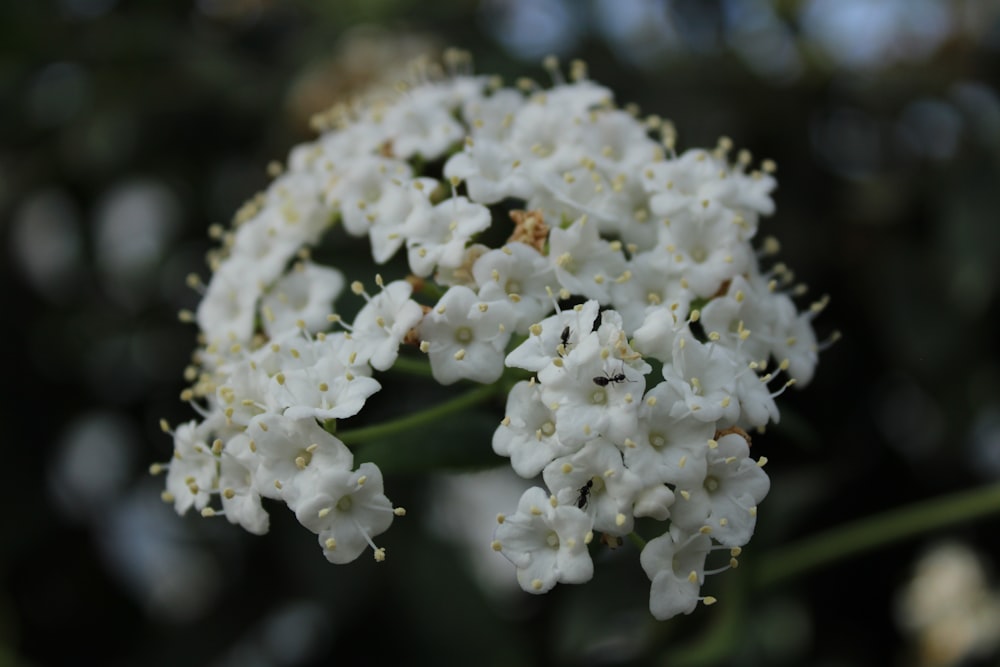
[620, 256]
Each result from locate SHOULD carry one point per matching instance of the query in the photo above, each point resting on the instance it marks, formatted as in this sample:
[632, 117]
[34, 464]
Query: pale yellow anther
[501, 518]
[496, 546]
[300, 462]
[693, 577]
[753, 511]
[379, 554]
[682, 461]
[399, 511]
[705, 530]
[712, 444]
[362, 480]
[620, 519]
[723, 522]
[330, 544]
[537, 584]
[208, 512]
[324, 512]
[708, 601]
[167, 497]
[535, 511]
[686, 495]
[762, 461]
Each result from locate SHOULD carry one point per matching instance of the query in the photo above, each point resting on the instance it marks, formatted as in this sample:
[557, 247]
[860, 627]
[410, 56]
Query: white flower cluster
[621, 256]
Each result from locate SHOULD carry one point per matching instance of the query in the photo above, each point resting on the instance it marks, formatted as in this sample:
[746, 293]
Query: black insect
[564, 337]
[581, 500]
[605, 380]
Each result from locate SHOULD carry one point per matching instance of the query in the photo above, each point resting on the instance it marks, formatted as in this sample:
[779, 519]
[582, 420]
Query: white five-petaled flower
[465, 338]
[546, 542]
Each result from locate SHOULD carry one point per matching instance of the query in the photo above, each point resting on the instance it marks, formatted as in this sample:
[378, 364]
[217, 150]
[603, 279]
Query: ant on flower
[606, 379]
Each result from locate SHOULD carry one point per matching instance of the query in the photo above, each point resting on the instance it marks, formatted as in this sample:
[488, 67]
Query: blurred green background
[127, 127]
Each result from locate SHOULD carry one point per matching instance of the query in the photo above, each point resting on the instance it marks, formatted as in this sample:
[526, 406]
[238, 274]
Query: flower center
[344, 504]
[548, 428]
[657, 440]
[599, 397]
[513, 287]
[699, 254]
[711, 484]
[463, 335]
[552, 540]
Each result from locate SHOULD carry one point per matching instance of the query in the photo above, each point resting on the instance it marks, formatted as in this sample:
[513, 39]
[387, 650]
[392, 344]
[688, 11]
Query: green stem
[411, 366]
[439, 411]
[875, 531]
[637, 540]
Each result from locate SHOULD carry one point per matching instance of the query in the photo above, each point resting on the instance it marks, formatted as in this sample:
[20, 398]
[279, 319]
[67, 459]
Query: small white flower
[595, 479]
[726, 501]
[667, 449]
[527, 434]
[675, 564]
[554, 337]
[585, 263]
[240, 500]
[194, 470]
[705, 375]
[346, 509]
[520, 274]
[593, 393]
[443, 236]
[287, 448]
[383, 322]
[546, 542]
[304, 294]
[466, 337]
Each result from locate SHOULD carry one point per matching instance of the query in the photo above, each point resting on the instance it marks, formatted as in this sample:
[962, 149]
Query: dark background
[126, 128]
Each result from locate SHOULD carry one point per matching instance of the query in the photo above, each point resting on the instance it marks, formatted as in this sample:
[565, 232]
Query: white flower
[553, 337]
[593, 393]
[240, 500]
[705, 375]
[546, 542]
[289, 447]
[675, 564]
[465, 338]
[383, 322]
[595, 480]
[528, 432]
[324, 391]
[520, 274]
[194, 470]
[667, 449]
[442, 237]
[490, 171]
[303, 294]
[229, 306]
[726, 501]
[585, 263]
[346, 509]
